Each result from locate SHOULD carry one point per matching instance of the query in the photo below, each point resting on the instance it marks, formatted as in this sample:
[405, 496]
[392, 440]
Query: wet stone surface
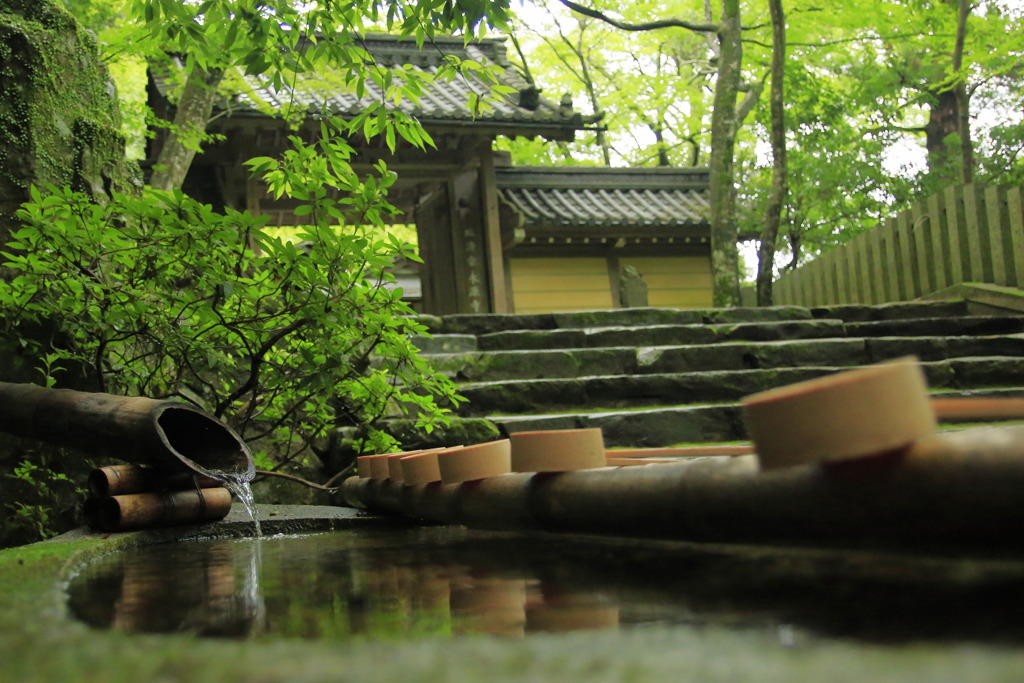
[412, 582]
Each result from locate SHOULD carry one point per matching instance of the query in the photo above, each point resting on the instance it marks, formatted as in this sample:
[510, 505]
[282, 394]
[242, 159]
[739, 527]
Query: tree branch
[753, 94]
[646, 26]
[891, 129]
[300, 480]
[257, 362]
[843, 41]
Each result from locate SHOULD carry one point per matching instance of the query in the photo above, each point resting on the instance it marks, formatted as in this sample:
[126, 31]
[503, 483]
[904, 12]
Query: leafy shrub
[39, 500]
[158, 295]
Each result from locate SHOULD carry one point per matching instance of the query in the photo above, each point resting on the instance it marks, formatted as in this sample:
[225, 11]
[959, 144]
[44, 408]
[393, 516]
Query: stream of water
[239, 485]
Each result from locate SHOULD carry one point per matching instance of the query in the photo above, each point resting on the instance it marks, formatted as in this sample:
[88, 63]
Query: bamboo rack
[127, 497]
[957, 489]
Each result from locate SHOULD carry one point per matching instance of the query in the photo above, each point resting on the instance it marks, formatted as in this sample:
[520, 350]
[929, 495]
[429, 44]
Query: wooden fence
[967, 233]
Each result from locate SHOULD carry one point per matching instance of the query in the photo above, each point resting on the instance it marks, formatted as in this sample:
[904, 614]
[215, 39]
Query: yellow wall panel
[561, 283]
[669, 264]
[675, 282]
[558, 301]
[528, 266]
[545, 285]
[680, 298]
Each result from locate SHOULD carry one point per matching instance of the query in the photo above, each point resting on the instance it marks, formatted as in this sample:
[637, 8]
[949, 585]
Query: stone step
[922, 327]
[644, 428]
[673, 335]
[484, 366]
[838, 352]
[469, 323]
[900, 310]
[658, 335]
[446, 343]
[673, 425]
[621, 391]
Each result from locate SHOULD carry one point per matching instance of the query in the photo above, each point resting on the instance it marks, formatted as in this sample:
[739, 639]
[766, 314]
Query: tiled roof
[584, 197]
[445, 102]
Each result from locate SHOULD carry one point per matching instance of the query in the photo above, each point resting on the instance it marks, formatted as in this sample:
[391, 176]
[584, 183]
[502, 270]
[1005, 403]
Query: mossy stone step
[675, 335]
[446, 343]
[642, 428]
[667, 426]
[621, 391]
[922, 327]
[484, 323]
[491, 366]
[900, 310]
[659, 335]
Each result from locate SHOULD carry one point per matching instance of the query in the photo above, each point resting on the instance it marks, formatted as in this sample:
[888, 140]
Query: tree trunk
[949, 115]
[963, 111]
[943, 162]
[724, 229]
[190, 119]
[659, 141]
[777, 191]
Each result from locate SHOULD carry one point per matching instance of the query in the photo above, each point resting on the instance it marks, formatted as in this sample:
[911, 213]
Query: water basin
[402, 583]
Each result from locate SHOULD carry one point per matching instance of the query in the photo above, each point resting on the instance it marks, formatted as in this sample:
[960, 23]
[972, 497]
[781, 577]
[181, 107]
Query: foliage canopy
[865, 82]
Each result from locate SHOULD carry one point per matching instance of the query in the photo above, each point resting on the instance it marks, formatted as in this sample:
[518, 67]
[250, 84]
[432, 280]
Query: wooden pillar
[501, 297]
[433, 225]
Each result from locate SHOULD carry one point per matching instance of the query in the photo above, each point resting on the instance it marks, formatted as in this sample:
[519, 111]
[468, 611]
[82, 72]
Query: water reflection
[450, 581]
[212, 589]
[332, 585]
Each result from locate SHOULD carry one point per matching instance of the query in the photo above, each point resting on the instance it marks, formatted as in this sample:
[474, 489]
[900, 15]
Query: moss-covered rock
[59, 117]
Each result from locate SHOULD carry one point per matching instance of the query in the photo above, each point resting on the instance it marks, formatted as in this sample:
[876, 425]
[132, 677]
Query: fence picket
[861, 274]
[979, 255]
[839, 259]
[962, 234]
[997, 214]
[1015, 210]
[875, 267]
[817, 283]
[923, 260]
[954, 221]
[940, 241]
[907, 264]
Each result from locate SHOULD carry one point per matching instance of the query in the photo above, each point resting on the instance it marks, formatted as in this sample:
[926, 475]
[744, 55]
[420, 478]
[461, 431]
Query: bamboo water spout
[171, 437]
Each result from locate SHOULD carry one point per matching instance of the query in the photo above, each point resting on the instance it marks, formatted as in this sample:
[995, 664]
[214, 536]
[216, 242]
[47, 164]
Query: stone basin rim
[51, 646]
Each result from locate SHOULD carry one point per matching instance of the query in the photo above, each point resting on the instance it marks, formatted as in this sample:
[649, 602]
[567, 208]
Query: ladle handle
[979, 408]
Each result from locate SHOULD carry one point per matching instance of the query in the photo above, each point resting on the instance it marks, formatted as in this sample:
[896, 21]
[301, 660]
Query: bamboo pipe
[169, 436]
[141, 510]
[956, 489]
[119, 480]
